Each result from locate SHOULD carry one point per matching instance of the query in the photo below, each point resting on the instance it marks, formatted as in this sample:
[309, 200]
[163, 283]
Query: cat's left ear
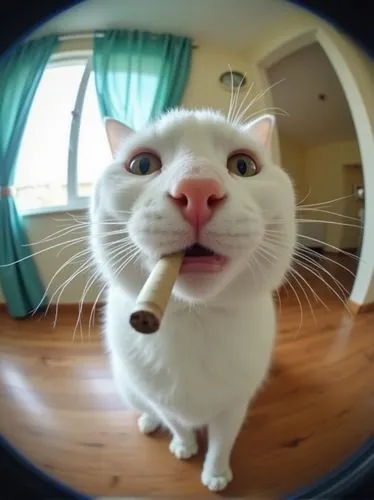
[116, 132]
[261, 129]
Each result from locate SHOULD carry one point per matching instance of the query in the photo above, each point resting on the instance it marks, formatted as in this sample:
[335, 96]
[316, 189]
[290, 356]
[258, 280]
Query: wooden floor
[59, 407]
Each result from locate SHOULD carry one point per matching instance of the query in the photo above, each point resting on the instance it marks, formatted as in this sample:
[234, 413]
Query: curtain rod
[83, 36]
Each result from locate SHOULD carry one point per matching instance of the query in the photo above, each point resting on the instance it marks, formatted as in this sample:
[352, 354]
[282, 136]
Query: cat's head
[194, 181]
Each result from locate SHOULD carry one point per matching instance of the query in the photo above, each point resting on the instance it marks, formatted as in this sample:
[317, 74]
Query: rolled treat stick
[155, 294]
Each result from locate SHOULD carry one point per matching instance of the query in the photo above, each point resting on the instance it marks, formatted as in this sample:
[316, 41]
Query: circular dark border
[354, 478]
[21, 479]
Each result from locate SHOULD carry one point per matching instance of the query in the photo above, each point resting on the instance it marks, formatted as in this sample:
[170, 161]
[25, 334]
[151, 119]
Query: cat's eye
[242, 165]
[144, 164]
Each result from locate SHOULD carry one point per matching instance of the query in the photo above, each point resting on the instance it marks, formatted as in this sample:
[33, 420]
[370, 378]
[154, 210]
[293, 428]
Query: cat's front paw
[148, 423]
[216, 482]
[183, 449]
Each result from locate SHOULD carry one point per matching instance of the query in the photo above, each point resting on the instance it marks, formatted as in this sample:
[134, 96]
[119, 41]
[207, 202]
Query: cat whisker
[322, 221]
[236, 97]
[83, 240]
[56, 235]
[63, 245]
[300, 306]
[75, 218]
[118, 251]
[280, 303]
[296, 275]
[316, 297]
[57, 245]
[70, 260]
[300, 203]
[265, 253]
[234, 118]
[341, 298]
[231, 95]
[300, 259]
[336, 223]
[86, 264]
[334, 200]
[61, 288]
[305, 249]
[136, 252]
[271, 109]
[324, 243]
[91, 320]
[254, 260]
[316, 240]
[318, 210]
[299, 255]
[256, 98]
[108, 233]
[87, 287]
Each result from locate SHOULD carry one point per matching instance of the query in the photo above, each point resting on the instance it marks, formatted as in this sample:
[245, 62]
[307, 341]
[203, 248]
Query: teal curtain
[139, 75]
[20, 75]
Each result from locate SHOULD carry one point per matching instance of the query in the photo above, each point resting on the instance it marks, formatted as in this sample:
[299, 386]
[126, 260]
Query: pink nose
[197, 199]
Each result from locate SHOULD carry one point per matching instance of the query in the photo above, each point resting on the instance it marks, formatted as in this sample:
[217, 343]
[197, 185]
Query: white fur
[214, 347]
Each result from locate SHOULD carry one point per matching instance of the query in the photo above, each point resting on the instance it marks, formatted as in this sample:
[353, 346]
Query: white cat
[194, 180]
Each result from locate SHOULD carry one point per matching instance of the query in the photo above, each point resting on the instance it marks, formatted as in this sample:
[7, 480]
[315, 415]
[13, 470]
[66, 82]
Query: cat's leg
[148, 421]
[222, 433]
[184, 443]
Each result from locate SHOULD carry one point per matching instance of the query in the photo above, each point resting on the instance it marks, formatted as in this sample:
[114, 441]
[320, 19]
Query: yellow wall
[356, 73]
[204, 90]
[293, 157]
[319, 174]
[48, 262]
[299, 23]
[329, 179]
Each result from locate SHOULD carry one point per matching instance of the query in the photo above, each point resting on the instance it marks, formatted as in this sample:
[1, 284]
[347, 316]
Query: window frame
[74, 202]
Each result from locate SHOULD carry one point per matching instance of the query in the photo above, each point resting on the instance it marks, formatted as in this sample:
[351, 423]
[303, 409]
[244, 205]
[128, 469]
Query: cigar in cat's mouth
[154, 296]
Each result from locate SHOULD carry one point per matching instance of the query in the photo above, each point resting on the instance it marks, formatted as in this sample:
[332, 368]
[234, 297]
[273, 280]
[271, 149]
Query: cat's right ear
[116, 132]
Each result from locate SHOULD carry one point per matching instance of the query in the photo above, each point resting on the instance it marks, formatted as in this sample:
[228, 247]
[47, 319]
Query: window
[64, 146]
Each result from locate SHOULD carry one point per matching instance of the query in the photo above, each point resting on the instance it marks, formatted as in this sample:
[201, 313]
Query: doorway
[319, 149]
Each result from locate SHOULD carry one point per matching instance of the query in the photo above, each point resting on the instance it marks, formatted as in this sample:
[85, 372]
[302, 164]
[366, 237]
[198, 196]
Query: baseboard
[360, 308]
[329, 251]
[354, 307]
[342, 251]
[72, 307]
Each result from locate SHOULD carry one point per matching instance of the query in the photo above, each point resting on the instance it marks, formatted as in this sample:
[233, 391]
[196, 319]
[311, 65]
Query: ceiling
[307, 74]
[232, 25]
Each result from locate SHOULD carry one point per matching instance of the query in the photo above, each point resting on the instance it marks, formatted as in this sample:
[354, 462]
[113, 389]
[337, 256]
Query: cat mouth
[200, 259]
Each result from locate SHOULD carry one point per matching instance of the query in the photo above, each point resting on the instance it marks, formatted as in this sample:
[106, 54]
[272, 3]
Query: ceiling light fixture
[233, 80]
